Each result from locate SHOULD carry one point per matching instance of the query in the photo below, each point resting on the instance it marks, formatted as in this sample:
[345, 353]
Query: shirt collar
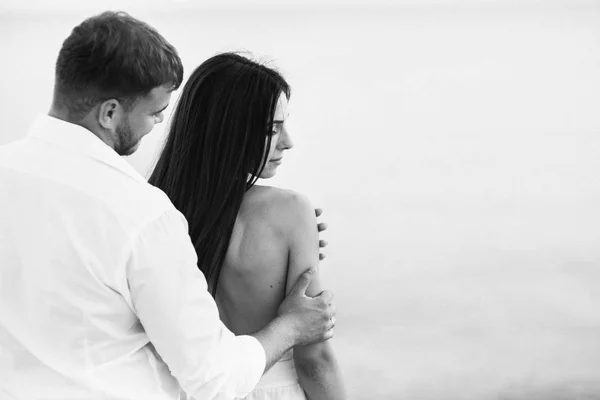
[76, 138]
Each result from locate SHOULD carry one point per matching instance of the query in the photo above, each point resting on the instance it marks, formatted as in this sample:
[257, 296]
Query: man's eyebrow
[162, 109]
[278, 121]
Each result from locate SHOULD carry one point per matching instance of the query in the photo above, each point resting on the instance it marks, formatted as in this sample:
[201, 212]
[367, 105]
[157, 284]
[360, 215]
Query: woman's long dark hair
[216, 149]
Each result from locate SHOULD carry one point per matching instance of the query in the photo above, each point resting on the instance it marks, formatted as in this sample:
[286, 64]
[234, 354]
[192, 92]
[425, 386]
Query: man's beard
[128, 143]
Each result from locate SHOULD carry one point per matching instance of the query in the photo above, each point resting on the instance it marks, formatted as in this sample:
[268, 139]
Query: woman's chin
[268, 173]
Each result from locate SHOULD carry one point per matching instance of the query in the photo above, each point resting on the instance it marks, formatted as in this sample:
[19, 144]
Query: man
[100, 296]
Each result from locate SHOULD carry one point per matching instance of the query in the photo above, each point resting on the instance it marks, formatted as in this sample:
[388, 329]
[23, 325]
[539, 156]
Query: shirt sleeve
[170, 297]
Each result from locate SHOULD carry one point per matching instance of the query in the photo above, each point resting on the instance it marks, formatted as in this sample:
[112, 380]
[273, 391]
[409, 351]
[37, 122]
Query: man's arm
[169, 295]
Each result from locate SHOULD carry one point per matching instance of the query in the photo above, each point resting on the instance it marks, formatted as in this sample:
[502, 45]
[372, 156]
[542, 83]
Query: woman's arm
[316, 365]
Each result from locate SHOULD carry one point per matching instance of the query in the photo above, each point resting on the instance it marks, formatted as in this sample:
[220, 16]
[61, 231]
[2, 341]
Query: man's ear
[109, 114]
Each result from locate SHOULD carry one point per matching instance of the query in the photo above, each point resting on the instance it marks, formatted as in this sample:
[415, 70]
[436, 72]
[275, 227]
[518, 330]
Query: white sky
[62, 6]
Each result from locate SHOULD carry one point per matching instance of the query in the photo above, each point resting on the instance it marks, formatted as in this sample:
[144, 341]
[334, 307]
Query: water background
[455, 149]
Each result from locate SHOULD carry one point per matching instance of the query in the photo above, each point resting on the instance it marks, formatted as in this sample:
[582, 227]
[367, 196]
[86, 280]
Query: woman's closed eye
[277, 125]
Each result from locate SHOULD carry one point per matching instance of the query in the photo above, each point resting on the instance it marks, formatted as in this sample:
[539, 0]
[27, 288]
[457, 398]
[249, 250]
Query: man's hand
[311, 318]
[321, 227]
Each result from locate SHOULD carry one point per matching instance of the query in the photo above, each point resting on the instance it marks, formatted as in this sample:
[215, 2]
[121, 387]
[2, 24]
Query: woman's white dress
[280, 382]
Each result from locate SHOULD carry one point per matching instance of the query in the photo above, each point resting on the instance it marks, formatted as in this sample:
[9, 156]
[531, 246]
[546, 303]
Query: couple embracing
[196, 284]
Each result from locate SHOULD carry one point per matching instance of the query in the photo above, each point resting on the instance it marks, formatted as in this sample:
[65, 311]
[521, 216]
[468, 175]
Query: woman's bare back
[254, 275]
[274, 240]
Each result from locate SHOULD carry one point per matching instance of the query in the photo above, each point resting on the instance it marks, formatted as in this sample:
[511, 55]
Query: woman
[252, 241]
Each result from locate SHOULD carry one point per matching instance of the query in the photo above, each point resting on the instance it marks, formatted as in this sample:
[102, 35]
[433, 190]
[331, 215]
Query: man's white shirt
[100, 296]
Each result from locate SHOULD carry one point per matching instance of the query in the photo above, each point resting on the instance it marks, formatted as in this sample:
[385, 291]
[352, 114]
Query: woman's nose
[285, 142]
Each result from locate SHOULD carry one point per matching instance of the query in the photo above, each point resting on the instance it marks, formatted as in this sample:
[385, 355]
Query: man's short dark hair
[113, 55]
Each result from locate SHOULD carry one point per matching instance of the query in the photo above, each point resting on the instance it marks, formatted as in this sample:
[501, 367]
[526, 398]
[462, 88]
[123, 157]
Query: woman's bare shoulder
[276, 206]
